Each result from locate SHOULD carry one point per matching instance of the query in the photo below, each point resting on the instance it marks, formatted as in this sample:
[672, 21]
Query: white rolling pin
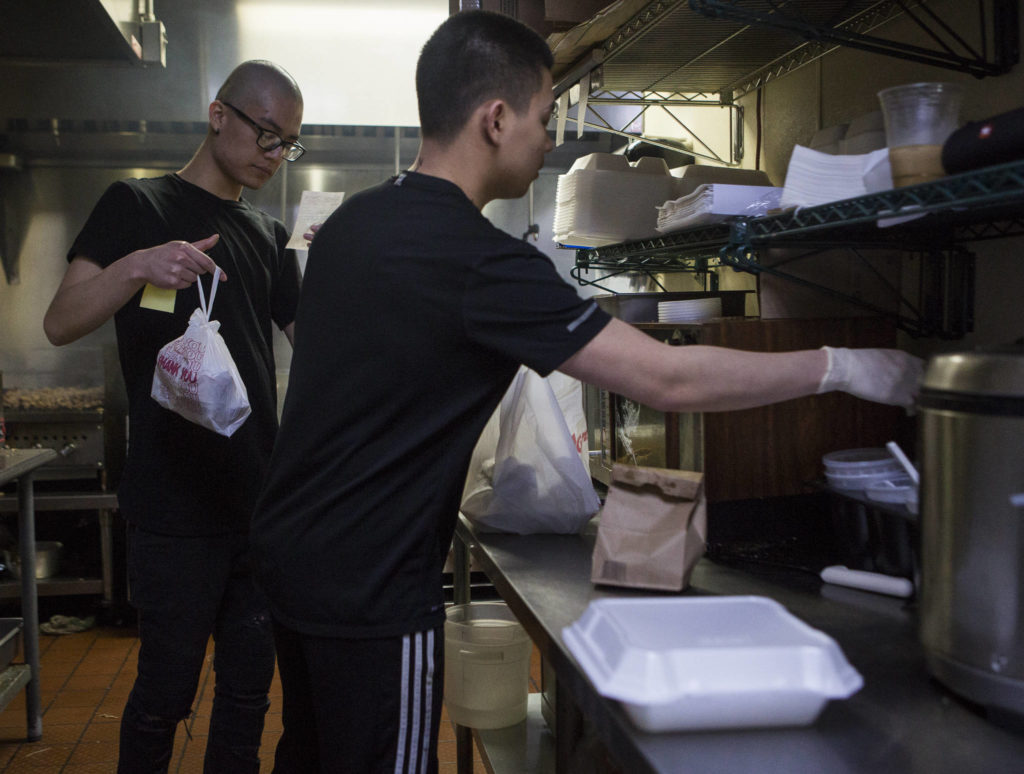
[868, 581]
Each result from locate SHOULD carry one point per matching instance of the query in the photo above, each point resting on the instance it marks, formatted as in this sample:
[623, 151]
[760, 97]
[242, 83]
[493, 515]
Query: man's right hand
[882, 375]
[88, 296]
[175, 265]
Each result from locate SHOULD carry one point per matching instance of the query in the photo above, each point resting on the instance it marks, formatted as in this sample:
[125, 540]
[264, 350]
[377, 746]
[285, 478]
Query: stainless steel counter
[20, 464]
[901, 721]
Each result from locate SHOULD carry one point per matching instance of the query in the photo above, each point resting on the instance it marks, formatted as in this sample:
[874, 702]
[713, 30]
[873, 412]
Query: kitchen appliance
[69, 420]
[77, 408]
[972, 525]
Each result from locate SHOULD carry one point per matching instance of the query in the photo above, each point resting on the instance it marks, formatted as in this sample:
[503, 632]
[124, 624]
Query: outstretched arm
[702, 378]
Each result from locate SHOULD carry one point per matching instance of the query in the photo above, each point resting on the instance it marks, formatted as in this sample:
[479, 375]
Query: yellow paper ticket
[159, 299]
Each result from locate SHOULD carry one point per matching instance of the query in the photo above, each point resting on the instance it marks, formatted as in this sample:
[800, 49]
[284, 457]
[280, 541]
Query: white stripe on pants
[414, 727]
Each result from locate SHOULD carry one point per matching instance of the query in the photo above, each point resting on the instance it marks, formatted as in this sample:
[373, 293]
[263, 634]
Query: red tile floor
[85, 679]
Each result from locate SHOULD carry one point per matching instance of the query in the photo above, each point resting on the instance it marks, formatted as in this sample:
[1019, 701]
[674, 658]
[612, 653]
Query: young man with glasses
[188, 493]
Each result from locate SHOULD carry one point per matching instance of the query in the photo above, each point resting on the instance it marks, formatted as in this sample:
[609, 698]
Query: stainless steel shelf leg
[29, 603]
[460, 595]
[107, 556]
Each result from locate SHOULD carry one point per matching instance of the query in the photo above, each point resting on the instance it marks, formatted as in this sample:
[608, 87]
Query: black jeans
[185, 590]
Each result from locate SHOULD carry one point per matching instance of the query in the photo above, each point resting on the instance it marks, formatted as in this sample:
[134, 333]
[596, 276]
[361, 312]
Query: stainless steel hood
[100, 32]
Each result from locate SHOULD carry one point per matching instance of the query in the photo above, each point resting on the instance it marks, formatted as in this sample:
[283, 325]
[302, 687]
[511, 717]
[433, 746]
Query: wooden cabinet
[775, 450]
[764, 452]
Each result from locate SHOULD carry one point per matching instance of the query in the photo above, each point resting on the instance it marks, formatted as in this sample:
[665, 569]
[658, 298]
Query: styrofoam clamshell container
[702, 663]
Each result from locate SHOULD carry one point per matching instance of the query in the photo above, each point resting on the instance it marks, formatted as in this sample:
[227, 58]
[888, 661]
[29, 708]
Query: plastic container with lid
[689, 663]
[860, 468]
[487, 665]
[851, 462]
[901, 491]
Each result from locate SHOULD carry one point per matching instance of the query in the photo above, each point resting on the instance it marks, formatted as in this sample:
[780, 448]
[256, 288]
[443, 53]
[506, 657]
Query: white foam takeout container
[701, 663]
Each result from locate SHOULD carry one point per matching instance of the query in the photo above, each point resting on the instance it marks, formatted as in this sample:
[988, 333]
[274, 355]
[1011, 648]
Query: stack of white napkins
[714, 202]
[818, 178]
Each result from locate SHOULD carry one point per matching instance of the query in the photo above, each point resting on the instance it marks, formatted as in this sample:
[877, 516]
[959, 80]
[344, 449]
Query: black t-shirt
[180, 478]
[415, 314]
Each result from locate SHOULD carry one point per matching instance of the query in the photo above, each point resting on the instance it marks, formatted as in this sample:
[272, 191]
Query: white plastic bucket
[487, 665]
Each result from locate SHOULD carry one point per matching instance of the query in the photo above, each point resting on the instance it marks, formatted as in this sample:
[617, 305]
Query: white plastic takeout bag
[195, 375]
[528, 474]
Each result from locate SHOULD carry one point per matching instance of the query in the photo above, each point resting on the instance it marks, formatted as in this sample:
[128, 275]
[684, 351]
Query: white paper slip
[314, 207]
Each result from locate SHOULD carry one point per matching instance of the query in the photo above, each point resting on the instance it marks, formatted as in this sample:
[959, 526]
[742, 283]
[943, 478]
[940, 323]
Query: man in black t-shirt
[186, 492]
[415, 314]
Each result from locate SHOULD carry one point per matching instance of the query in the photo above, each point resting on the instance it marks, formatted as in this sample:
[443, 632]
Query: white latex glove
[882, 375]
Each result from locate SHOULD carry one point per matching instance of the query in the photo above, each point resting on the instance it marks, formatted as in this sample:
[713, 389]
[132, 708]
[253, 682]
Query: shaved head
[257, 76]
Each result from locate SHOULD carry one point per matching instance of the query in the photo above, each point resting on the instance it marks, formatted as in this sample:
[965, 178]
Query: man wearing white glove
[881, 375]
[350, 552]
[700, 378]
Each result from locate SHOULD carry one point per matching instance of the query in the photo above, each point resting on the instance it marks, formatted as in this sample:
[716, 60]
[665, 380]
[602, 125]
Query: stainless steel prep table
[900, 722]
[20, 464]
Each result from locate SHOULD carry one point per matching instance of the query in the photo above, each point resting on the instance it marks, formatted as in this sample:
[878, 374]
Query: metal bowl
[47, 559]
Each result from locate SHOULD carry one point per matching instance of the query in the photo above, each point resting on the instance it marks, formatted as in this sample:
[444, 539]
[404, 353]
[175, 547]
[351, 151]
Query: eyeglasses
[268, 140]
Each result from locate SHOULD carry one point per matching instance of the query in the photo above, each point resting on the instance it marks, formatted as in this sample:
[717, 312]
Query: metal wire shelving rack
[932, 222]
[675, 53]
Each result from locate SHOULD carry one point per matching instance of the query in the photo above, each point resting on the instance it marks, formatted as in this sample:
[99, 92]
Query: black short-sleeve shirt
[415, 314]
[180, 478]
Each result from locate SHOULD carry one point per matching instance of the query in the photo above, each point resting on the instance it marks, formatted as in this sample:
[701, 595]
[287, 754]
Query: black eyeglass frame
[292, 150]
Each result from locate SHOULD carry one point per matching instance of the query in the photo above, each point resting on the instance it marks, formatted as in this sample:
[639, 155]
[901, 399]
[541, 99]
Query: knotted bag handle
[207, 310]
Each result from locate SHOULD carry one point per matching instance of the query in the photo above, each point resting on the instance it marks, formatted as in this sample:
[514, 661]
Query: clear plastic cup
[919, 117]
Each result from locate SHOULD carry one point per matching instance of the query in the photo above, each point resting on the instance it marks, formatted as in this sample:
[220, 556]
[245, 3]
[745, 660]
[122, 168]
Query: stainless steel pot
[47, 560]
[972, 525]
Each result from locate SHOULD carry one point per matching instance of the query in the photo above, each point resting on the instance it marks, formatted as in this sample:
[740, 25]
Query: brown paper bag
[652, 530]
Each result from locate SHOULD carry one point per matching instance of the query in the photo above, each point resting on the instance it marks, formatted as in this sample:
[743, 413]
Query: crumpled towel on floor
[66, 624]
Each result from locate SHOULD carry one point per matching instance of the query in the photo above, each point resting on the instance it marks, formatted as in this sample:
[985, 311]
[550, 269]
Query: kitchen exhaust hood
[83, 32]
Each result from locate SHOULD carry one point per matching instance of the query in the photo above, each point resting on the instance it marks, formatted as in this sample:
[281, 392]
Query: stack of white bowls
[690, 310]
[873, 471]
[859, 468]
